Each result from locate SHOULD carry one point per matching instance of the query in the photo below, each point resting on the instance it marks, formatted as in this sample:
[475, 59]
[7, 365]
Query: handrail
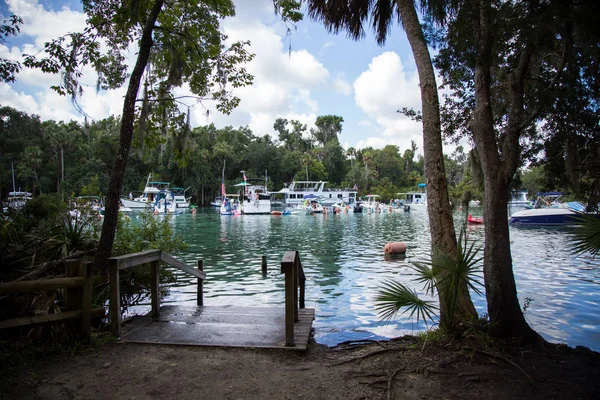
[291, 266]
[78, 287]
[153, 257]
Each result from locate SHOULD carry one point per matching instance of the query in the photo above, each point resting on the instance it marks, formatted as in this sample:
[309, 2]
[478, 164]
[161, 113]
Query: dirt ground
[398, 369]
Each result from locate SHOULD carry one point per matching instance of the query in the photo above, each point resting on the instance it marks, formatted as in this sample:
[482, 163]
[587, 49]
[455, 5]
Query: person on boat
[130, 196]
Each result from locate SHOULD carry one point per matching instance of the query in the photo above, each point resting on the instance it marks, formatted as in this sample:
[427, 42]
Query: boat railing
[154, 258]
[295, 279]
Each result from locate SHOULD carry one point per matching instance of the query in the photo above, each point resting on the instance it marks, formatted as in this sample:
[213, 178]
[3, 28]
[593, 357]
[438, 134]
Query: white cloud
[341, 86]
[380, 91]
[45, 25]
[282, 81]
[386, 86]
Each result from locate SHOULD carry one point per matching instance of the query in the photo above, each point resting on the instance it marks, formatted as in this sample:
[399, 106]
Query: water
[343, 260]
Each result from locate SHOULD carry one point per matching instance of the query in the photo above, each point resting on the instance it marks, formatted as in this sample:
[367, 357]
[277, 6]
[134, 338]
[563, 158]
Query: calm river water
[343, 260]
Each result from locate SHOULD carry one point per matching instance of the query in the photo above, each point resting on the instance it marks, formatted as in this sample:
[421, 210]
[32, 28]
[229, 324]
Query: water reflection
[344, 264]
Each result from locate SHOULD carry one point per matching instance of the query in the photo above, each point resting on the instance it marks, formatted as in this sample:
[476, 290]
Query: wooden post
[263, 265]
[287, 268]
[200, 295]
[86, 299]
[73, 295]
[155, 289]
[295, 274]
[115, 297]
[301, 283]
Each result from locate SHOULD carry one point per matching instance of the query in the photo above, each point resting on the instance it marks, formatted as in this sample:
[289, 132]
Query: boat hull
[256, 207]
[544, 217]
[135, 203]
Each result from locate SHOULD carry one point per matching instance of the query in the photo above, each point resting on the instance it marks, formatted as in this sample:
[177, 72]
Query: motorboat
[148, 197]
[259, 202]
[230, 205]
[217, 201]
[294, 193]
[309, 207]
[417, 201]
[549, 209]
[17, 200]
[342, 208]
[164, 203]
[370, 203]
[179, 197]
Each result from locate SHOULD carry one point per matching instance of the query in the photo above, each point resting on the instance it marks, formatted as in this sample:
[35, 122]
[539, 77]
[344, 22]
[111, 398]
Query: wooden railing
[152, 257]
[77, 284]
[294, 279]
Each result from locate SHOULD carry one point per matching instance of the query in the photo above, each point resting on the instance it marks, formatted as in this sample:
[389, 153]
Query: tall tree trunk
[117, 177]
[503, 306]
[441, 225]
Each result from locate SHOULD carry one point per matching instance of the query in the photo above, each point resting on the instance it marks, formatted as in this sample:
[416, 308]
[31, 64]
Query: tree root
[390, 378]
[374, 353]
[358, 343]
[514, 364]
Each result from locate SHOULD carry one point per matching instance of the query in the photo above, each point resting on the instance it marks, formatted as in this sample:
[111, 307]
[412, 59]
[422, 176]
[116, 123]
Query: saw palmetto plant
[394, 297]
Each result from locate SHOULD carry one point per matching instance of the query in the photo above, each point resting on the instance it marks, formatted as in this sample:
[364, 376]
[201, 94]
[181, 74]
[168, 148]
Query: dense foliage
[74, 159]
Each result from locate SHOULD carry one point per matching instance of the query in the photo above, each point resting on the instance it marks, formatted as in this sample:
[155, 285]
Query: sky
[296, 76]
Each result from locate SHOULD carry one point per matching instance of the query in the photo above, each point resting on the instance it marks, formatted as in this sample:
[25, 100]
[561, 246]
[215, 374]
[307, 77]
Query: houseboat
[293, 193]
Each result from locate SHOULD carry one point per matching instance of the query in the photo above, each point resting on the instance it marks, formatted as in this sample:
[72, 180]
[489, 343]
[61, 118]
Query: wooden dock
[285, 327]
[230, 326]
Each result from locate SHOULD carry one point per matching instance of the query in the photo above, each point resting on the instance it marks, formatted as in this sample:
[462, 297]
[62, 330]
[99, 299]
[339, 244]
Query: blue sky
[324, 74]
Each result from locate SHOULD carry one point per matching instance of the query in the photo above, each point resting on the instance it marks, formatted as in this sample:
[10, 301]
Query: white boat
[294, 193]
[164, 203]
[342, 208]
[371, 204]
[308, 207]
[17, 200]
[181, 201]
[217, 201]
[259, 203]
[230, 205]
[415, 200]
[256, 201]
[549, 209]
[559, 214]
[148, 197]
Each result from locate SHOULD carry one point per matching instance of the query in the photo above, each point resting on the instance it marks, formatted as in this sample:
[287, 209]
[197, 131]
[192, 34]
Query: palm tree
[352, 17]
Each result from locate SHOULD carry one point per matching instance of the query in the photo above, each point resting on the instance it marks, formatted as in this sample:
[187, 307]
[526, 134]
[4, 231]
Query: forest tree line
[73, 159]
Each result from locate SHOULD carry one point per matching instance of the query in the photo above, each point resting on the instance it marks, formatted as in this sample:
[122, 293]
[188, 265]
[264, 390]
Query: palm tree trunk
[441, 225]
[126, 136]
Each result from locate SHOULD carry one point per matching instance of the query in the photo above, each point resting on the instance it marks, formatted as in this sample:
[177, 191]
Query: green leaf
[394, 296]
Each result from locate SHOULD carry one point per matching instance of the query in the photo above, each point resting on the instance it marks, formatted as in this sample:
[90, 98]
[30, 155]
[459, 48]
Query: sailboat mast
[13, 175]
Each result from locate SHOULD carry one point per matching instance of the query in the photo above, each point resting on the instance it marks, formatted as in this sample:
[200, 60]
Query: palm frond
[587, 234]
[426, 276]
[466, 268]
[394, 296]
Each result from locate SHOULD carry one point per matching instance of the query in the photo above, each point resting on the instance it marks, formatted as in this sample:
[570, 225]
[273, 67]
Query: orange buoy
[394, 248]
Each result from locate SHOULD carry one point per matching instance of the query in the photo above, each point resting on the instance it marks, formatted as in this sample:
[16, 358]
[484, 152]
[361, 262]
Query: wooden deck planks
[228, 326]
